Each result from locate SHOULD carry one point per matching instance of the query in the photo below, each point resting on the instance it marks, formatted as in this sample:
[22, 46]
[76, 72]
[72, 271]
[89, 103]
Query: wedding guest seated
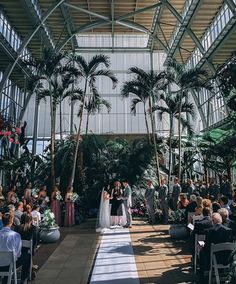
[206, 202]
[11, 241]
[36, 215]
[1, 224]
[215, 207]
[2, 197]
[224, 202]
[183, 202]
[205, 223]
[224, 213]
[27, 230]
[19, 210]
[192, 204]
[42, 193]
[11, 195]
[16, 221]
[217, 234]
[28, 193]
[199, 200]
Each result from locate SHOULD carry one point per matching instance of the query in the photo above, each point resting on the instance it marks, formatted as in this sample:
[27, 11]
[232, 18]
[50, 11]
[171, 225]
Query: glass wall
[119, 120]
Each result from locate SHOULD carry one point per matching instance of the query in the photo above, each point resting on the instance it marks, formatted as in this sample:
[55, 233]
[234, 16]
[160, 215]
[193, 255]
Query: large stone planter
[50, 235]
[178, 231]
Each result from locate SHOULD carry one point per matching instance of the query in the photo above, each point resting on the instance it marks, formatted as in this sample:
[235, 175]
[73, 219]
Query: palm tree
[186, 80]
[89, 72]
[49, 71]
[172, 108]
[94, 105]
[131, 87]
[148, 84]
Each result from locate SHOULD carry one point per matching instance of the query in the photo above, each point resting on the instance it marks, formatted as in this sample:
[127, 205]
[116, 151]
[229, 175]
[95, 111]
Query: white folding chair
[197, 249]
[9, 260]
[213, 261]
[29, 244]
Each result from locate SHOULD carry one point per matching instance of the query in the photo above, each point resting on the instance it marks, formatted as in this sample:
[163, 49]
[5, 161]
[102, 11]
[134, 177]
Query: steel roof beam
[155, 25]
[184, 23]
[124, 23]
[34, 18]
[232, 6]
[69, 25]
[24, 44]
[112, 49]
[112, 21]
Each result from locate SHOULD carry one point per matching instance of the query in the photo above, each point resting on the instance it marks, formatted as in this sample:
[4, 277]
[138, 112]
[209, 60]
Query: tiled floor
[158, 259]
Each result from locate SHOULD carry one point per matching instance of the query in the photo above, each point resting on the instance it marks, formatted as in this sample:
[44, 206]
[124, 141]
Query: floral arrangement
[177, 216]
[35, 192]
[58, 196]
[48, 220]
[74, 197]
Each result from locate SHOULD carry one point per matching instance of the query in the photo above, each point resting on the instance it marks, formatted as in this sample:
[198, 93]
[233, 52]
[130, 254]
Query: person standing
[56, 204]
[226, 189]
[127, 203]
[190, 188]
[163, 198]
[214, 189]
[175, 193]
[116, 204]
[70, 209]
[149, 200]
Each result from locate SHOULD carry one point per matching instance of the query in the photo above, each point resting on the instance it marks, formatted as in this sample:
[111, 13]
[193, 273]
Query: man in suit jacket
[215, 235]
[205, 223]
[163, 199]
[127, 203]
[175, 193]
[149, 200]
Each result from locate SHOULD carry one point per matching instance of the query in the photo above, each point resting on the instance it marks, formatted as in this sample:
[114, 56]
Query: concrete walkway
[158, 259]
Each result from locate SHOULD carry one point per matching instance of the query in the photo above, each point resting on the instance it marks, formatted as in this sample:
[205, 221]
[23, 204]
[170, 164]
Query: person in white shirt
[11, 241]
[36, 215]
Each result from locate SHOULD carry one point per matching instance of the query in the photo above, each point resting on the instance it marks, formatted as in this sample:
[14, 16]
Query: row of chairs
[215, 248]
[9, 257]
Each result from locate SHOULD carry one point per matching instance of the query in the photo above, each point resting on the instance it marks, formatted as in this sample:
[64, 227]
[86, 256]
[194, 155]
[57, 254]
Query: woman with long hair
[56, 204]
[70, 209]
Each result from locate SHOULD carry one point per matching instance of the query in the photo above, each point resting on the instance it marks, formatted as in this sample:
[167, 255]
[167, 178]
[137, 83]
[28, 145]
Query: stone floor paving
[158, 259]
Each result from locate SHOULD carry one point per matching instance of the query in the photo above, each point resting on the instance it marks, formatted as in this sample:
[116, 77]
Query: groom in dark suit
[127, 203]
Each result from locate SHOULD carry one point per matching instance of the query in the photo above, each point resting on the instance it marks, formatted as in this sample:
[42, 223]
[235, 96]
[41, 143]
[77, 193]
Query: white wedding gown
[103, 216]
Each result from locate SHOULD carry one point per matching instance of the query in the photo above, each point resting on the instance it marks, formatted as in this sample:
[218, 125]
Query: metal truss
[69, 24]
[11, 66]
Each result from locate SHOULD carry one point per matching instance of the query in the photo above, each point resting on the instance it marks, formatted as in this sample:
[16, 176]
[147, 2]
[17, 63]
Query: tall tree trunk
[146, 122]
[52, 112]
[87, 123]
[179, 134]
[78, 137]
[170, 149]
[154, 142]
[60, 114]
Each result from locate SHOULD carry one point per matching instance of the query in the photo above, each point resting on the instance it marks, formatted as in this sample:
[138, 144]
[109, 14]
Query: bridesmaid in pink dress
[70, 211]
[55, 204]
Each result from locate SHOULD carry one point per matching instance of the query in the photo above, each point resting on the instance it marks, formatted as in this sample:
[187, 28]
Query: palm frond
[139, 73]
[96, 61]
[134, 102]
[106, 73]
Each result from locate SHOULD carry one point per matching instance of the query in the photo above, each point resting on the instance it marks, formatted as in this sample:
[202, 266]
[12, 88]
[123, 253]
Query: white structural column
[115, 262]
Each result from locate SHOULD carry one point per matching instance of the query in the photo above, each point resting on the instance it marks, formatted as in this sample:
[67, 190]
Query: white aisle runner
[115, 263]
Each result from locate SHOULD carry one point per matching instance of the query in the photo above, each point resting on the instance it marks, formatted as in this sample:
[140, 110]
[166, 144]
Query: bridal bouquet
[58, 197]
[35, 192]
[74, 197]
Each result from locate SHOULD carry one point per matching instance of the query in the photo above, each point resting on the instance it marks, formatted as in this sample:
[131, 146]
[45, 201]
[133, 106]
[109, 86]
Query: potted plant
[49, 232]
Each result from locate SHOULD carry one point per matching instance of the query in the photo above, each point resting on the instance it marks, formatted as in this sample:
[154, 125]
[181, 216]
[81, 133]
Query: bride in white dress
[103, 222]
